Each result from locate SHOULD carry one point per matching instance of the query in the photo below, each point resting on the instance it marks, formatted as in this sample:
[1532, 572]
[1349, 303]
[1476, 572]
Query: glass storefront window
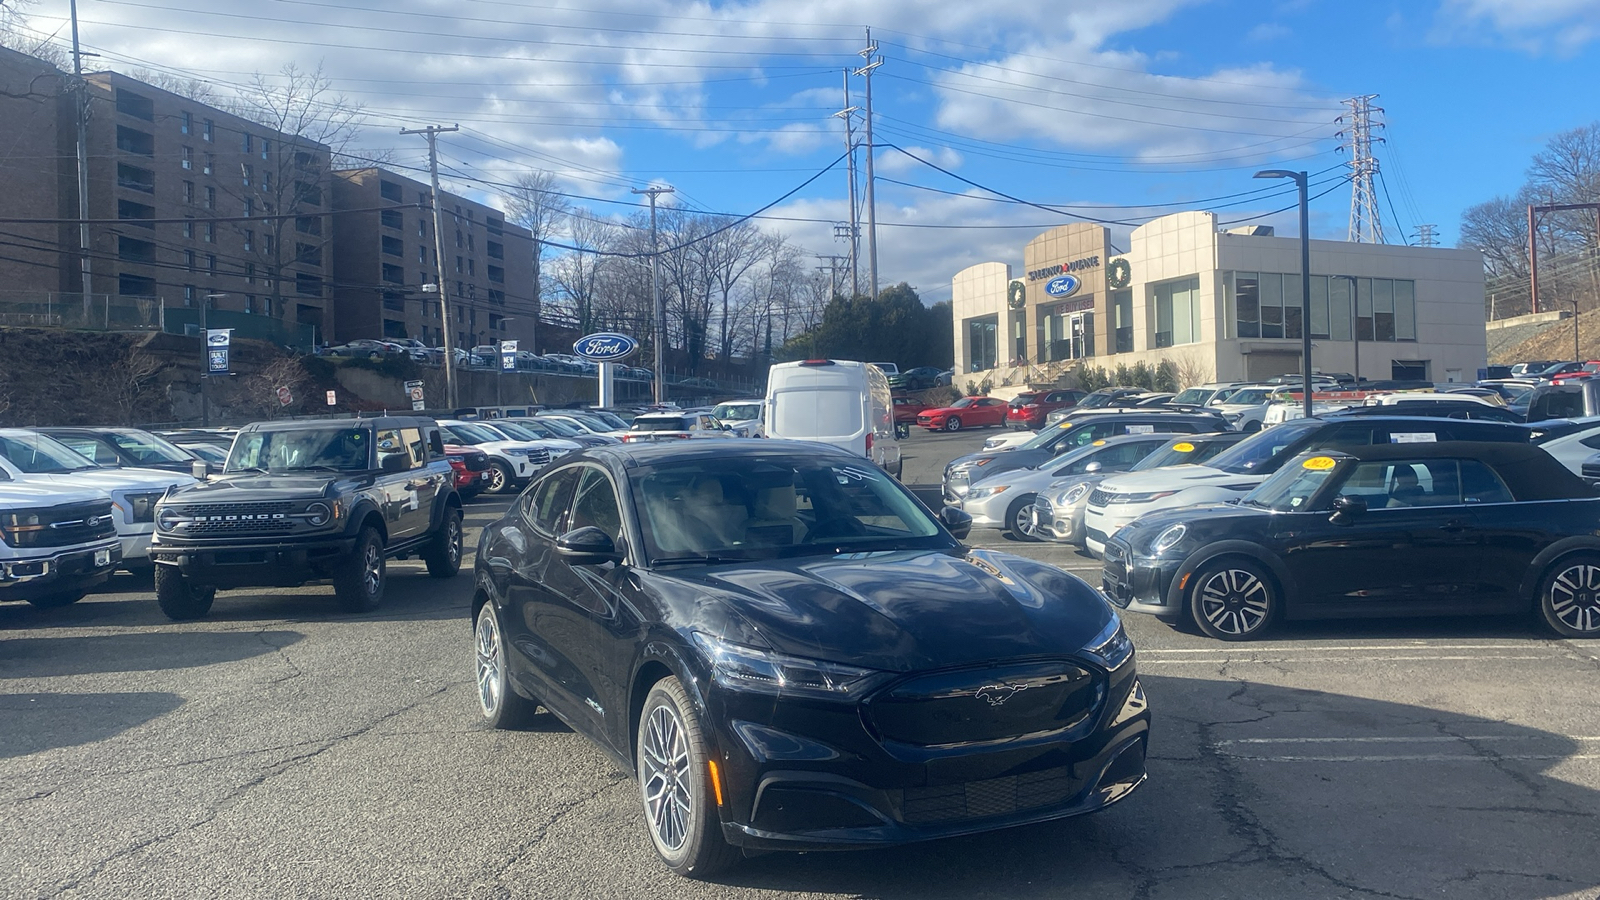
[1293, 310]
[1405, 310]
[982, 343]
[1319, 306]
[1177, 308]
[1122, 320]
[1364, 309]
[1382, 309]
[1271, 305]
[1267, 305]
[1247, 298]
[1339, 308]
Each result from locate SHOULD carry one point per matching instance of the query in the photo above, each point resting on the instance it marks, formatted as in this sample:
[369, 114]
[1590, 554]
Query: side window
[91, 448]
[1480, 484]
[1127, 454]
[1352, 435]
[548, 500]
[1593, 443]
[416, 449]
[392, 453]
[595, 504]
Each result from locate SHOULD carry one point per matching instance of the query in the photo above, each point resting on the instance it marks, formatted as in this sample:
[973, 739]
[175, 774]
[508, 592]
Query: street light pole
[1300, 179]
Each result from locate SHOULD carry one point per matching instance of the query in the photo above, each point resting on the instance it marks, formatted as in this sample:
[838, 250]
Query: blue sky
[1066, 103]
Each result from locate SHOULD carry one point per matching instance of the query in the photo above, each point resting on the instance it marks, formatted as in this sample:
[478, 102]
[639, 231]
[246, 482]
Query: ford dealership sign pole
[607, 349]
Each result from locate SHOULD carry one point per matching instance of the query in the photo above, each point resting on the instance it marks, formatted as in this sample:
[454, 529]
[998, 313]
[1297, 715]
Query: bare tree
[576, 276]
[17, 33]
[1567, 170]
[534, 204]
[1498, 229]
[193, 88]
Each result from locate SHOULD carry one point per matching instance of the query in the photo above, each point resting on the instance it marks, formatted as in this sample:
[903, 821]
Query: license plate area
[102, 558]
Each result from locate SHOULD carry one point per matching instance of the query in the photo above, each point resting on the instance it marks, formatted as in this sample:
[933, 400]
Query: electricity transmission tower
[1427, 236]
[1366, 226]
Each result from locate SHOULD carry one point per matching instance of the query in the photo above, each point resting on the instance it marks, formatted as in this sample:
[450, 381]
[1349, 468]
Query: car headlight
[167, 518]
[454, 459]
[318, 514]
[981, 491]
[742, 668]
[1168, 538]
[1111, 647]
[1073, 494]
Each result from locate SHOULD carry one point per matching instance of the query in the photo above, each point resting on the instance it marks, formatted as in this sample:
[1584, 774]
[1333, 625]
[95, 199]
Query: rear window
[817, 413]
[673, 424]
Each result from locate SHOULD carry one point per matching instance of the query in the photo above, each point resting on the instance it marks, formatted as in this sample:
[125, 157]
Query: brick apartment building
[385, 257]
[191, 202]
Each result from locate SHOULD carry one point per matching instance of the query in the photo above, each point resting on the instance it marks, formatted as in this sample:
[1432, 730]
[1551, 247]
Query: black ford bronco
[306, 501]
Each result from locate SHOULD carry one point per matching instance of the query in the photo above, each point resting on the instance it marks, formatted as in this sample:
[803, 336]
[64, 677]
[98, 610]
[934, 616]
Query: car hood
[26, 495]
[1021, 480]
[941, 410]
[1175, 478]
[910, 610]
[1207, 522]
[115, 479]
[248, 487]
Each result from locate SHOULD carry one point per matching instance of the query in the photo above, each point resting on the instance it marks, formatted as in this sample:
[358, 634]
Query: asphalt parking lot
[281, 748]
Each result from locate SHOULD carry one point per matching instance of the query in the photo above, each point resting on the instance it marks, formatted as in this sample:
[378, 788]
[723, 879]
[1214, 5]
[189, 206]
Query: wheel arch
[1549, 557]
[657, 660]
[1178, 593]
[367, 514]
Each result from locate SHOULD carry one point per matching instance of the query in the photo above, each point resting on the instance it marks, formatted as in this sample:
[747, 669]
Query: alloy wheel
[952, 424]
[1234, 601]
[453, 539]
[497, 479]
[490, 680]
[1575, 598]
[668, 793]
[372, 574]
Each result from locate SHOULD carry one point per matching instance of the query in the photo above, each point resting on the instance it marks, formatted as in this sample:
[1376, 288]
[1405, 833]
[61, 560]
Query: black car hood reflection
[910, 610]
[245, 487]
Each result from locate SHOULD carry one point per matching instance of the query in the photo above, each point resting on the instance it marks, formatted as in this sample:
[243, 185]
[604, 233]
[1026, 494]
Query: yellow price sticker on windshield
[1319, 463]
[1064, 425]
[1184, 447]
[1099, 443]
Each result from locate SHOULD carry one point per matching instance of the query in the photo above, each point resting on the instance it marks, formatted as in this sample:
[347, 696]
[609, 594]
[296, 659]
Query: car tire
[501, 705]
[501, 479]
[1234, 600]
[359, 582]
[680, 802]
[443, 553]
[178, 596]
[952, 424]
[56, 601]
[1014, 518]
[1250, 427]
[1569, 597]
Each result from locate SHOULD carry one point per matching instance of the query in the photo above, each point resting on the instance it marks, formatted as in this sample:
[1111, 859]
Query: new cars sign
[217, 341]
[605, 346]
[1062, 286]
[508, 356]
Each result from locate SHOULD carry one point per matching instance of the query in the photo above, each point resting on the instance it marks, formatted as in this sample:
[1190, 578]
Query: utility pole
[655, 292]
[1366, 225]
[854, 236]
[81, 87]
[872, 206]
[832, 267]
[433, 132]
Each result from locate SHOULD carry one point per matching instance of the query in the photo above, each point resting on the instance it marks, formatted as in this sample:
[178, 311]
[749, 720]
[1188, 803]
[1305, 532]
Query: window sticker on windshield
[1318, 463]
[1064, 424]
[851, 472]
[1100, 443]
[1183, 447]
[1140, 429]
[1413, 437]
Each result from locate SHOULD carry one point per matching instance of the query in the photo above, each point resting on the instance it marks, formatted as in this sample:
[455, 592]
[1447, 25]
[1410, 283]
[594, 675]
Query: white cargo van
[834, 401]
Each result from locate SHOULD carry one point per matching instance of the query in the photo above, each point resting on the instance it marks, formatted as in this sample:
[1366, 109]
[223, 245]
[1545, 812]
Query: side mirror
[956, 521]
[1092, 468]
[200, 469]
[1346, 509]
[587, 546]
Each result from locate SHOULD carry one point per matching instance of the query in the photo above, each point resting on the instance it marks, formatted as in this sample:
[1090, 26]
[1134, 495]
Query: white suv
[56, 542]
[33, 458]
[512, 462]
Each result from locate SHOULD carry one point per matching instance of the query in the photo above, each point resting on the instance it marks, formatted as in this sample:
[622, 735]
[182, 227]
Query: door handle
[1454, 526]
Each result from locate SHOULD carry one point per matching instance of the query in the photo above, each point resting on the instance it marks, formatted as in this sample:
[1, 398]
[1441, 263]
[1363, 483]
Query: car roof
[1530, 472]
[628, 455]
[365, 422]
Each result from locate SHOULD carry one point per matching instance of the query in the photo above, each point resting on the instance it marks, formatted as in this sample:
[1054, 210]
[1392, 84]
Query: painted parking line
[1505, 747]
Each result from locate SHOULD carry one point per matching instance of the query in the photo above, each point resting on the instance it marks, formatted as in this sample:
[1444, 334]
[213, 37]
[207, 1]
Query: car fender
[1213, 551]
[1547, 556]
[360, 507]
[663, 649]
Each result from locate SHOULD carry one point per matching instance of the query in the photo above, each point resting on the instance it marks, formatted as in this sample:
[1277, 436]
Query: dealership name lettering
[1077, 265]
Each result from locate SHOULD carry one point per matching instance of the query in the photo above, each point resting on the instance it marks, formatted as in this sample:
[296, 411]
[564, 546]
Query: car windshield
[342, 449]
[1250, 454]
[468, 433]
[737, 412]
[1291, 488]
[537, 427]
[562, 429]
[36, 454]
[1095, 400]
[1193, 397]
[766, 507]
[611, 419]
[147, 448]
[963, 403]
[670, 423]
[1250, 396]
[514, 431]
[1047, 437]
[1180, 452]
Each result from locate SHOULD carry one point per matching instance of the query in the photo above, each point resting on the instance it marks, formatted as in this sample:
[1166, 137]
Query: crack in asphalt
[237, 793]
[282, 652]
[490, 881]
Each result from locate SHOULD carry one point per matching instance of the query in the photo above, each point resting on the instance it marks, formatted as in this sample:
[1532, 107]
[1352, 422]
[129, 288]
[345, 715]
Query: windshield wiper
[246, 469]
[702, 558]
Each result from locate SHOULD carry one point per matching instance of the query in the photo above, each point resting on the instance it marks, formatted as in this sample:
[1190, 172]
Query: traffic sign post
[414, 392]
[284, 397]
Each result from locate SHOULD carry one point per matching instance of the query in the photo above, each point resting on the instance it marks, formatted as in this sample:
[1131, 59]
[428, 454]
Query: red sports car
[906, 409]
[968, 412]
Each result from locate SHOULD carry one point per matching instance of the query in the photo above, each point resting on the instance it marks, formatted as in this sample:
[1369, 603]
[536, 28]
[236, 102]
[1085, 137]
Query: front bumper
[256, 564]
[787, 787]
[989, 512]
[1055, 524]
[1100, 522]
[1139, 584]
[67, 571]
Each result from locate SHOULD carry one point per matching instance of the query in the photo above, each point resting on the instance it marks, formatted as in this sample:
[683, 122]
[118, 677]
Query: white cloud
[1267, 32]
[1533, 26]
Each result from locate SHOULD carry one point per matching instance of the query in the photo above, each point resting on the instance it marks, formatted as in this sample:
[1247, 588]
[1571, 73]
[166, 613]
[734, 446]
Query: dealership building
[1223, 305]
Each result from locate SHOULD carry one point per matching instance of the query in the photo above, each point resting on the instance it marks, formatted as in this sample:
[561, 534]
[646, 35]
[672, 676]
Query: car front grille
[539, 457]
[972, 800]
[999, 703]
[1098, 497]
[475, 462]
[226, 519]
[59, 526]
[1095, 534]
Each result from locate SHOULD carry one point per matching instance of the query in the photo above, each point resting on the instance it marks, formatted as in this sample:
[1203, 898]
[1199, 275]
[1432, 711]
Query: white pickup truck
[56, 542]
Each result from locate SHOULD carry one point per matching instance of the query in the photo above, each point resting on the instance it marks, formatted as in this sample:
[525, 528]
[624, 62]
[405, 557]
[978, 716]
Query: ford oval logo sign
[1062, 286]
[605, 347]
